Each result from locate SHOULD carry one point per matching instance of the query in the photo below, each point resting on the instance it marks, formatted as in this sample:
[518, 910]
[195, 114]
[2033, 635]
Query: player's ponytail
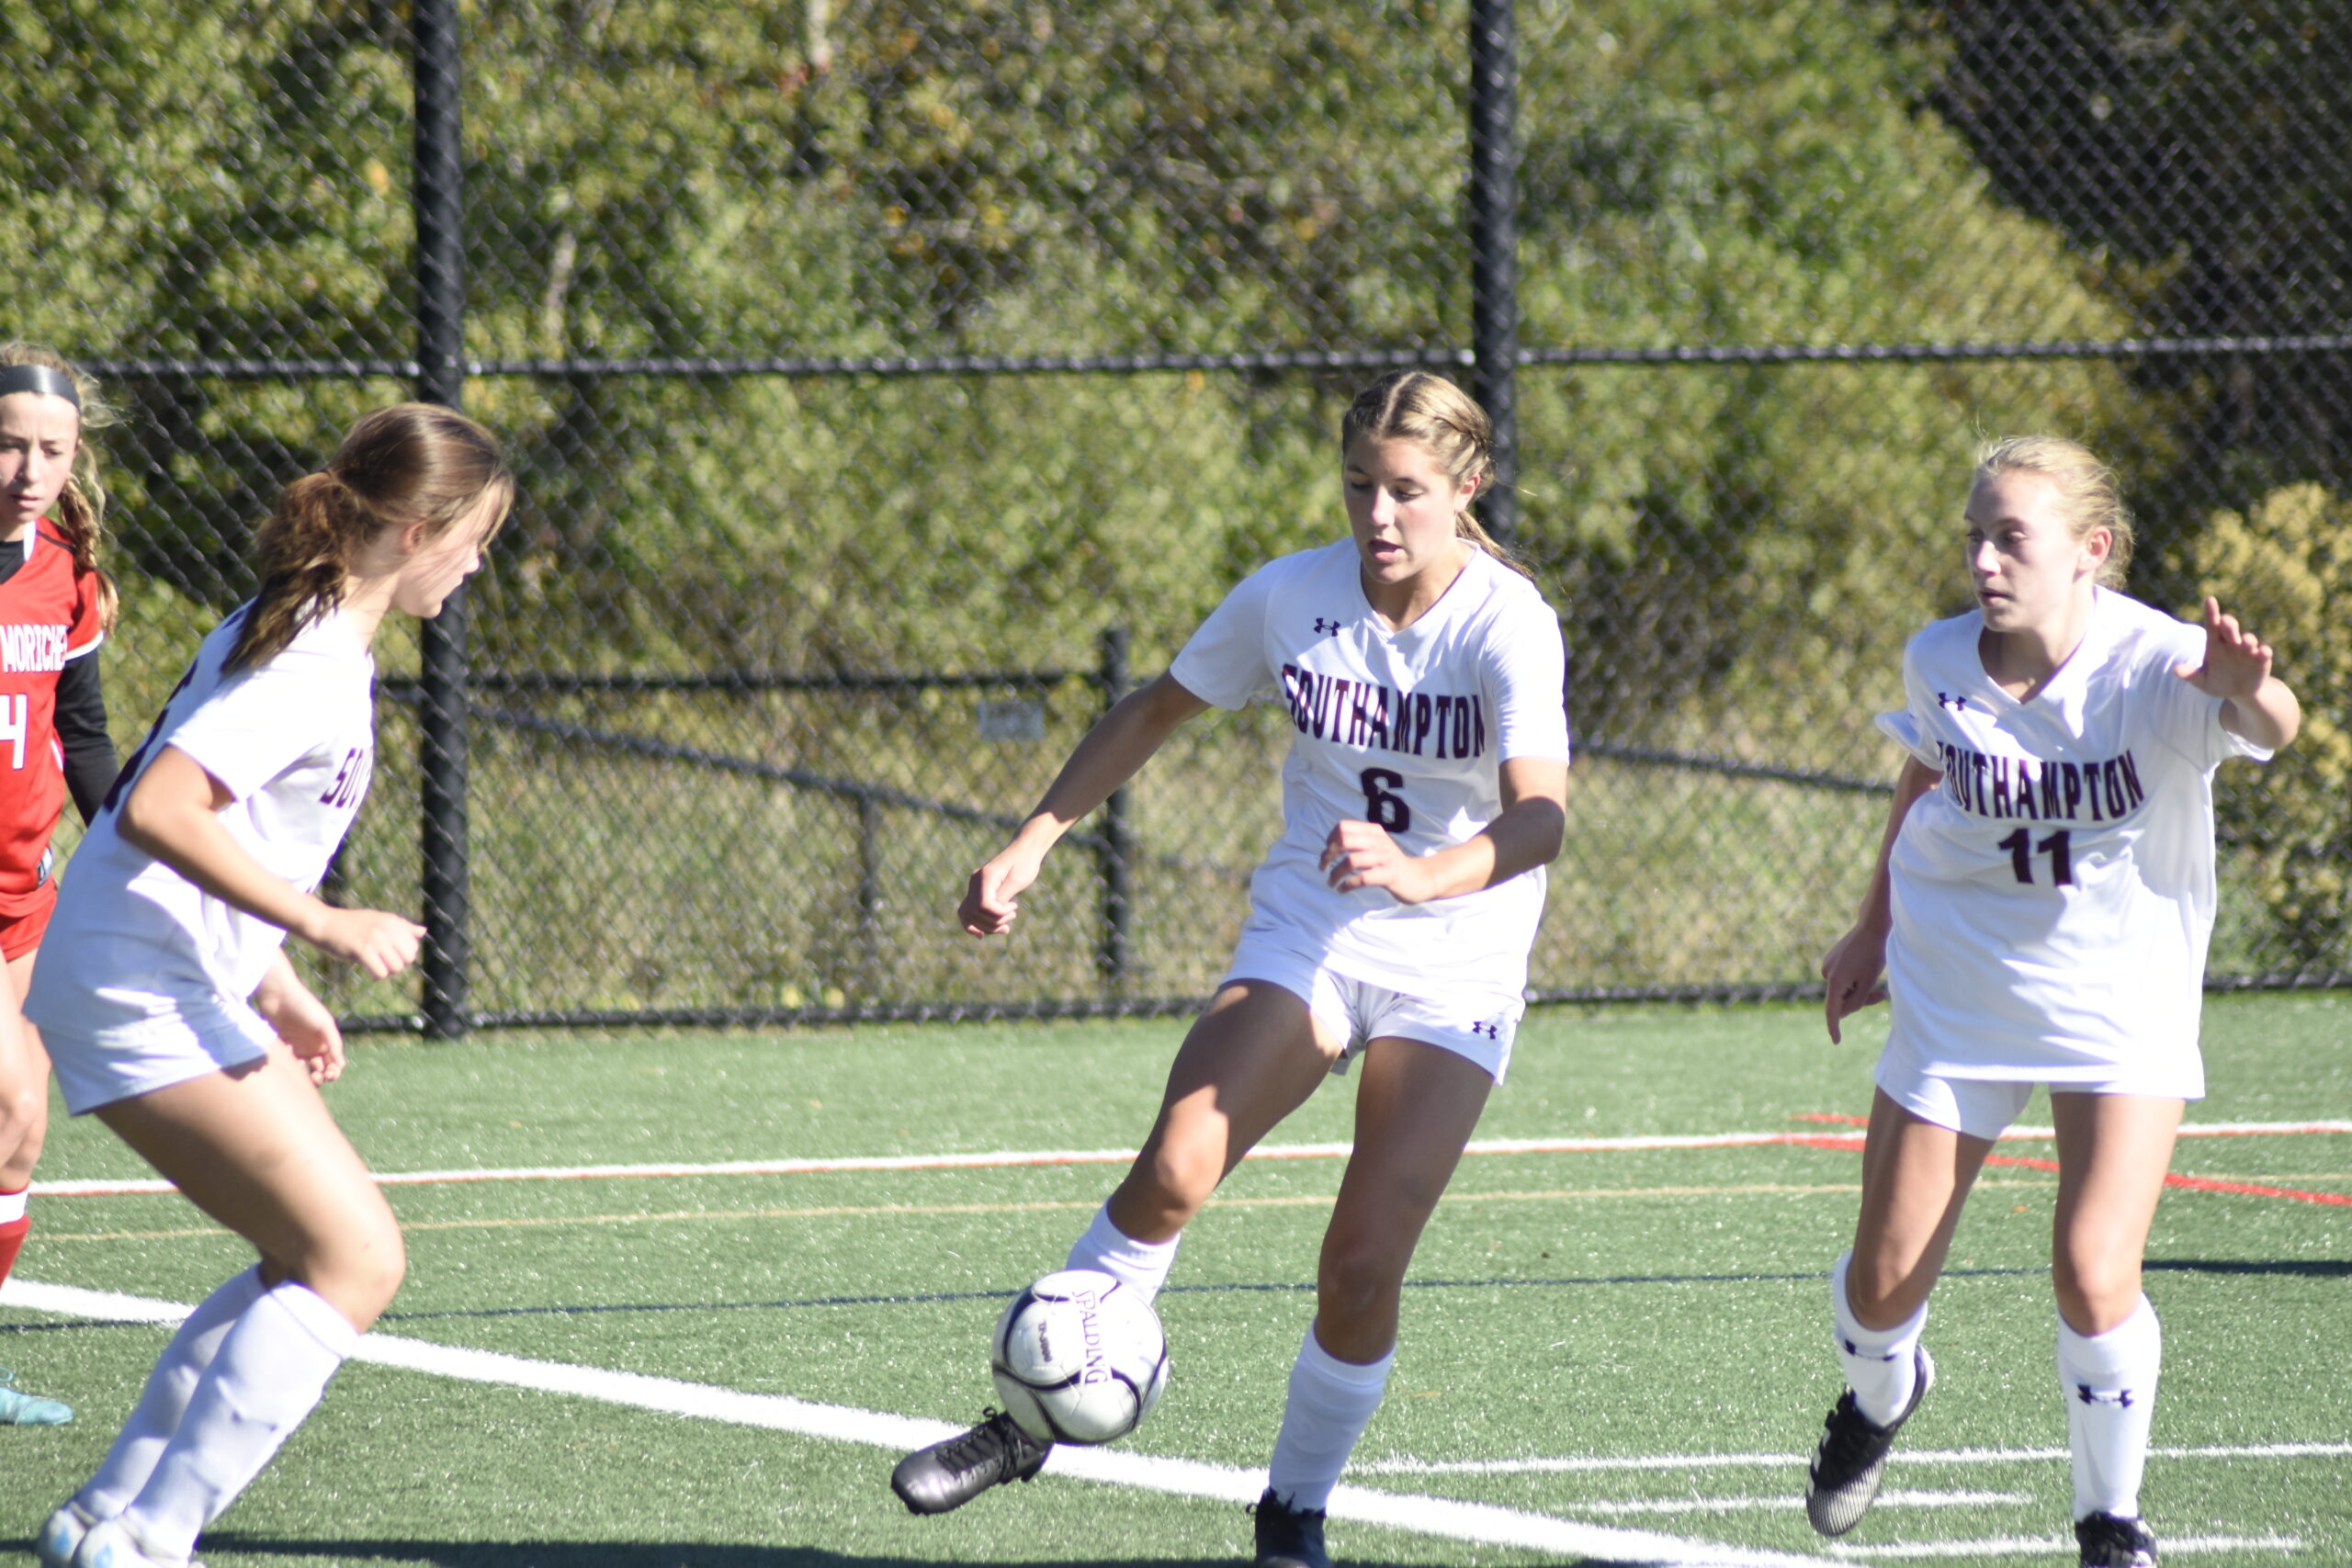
[415, 463]
[1445, 422]
[80, 511]
[2088, 489]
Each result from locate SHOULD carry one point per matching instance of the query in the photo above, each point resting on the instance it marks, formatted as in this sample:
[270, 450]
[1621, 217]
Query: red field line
[2172, 1178]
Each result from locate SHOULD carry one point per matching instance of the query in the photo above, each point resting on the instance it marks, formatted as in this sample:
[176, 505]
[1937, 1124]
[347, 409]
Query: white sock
[1330, 1403]
[2110, 1386]
[1881, 1364]
[268, 1376]
[157, 1414]
[1140, 1265]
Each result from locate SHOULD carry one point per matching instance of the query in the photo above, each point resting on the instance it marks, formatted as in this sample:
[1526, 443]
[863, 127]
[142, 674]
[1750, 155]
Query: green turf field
[1610, 1352]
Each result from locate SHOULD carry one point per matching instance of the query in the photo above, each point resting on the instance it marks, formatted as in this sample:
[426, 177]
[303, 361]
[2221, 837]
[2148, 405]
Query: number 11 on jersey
[2058, 847]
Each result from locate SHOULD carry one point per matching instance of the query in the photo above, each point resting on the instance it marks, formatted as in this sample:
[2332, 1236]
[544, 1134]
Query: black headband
[38, 379]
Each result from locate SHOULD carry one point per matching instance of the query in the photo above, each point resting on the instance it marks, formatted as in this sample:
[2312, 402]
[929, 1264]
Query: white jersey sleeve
[1527, 670]
[1224, 662]
[2186, 718]
[240, 735]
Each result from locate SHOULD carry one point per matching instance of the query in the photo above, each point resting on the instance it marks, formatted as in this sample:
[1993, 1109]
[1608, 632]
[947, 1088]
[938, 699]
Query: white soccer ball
[1078, 1358]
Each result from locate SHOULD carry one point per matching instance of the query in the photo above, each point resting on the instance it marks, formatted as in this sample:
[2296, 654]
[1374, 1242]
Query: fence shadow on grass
[2305, 1268]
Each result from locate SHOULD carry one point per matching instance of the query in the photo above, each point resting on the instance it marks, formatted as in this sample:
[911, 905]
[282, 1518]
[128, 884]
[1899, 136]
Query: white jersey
[137, 954]
[1404, 729]
[2053, 896]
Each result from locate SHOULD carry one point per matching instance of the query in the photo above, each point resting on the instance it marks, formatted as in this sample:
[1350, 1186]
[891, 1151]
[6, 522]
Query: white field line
[1908, 1458]
[2039, 1545]
[1004, 1158]
[1444, 1517]
[1791, 1503]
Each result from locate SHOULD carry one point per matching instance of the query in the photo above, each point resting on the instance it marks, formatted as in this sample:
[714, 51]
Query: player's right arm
[1119, 744]
[1855, 967]
[173, 814]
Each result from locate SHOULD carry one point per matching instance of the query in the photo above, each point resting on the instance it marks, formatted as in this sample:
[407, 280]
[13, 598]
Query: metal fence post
[439, 197]
[1116, 855]
[1494, 251]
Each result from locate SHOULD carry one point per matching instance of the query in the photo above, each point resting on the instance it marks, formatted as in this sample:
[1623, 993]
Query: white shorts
[93, 1073]
[1983, 1108]
[1478, 1025]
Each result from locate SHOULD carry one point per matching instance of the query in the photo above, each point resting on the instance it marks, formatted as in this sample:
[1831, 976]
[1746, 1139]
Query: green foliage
[2199, 153]
[1748, 545]
[1737, 551]
[2284, 569]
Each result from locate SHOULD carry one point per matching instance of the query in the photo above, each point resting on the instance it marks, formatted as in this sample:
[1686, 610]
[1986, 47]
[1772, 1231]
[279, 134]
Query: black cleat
[1844, 1479]
[950, 1474]
[2111, 1541]
[1288, 1537]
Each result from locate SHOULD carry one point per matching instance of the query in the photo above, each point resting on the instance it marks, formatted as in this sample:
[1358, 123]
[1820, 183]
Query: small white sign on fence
[1013, 719]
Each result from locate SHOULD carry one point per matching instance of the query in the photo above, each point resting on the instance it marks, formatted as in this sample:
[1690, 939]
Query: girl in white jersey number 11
[2040, 909]
[166, 998]
[1422, 800]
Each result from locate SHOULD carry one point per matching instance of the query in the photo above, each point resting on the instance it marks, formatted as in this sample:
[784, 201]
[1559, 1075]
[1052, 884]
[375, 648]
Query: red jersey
[49, 613]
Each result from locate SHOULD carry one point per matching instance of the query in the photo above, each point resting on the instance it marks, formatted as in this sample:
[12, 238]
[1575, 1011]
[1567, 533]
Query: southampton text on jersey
[2044, 790]
[1357, 713]
[35, 648]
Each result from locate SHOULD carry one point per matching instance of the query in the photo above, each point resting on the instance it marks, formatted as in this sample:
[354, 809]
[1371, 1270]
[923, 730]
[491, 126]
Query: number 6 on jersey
[1381, 806]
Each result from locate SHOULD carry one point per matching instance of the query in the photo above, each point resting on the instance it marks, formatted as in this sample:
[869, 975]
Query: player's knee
[1878, 1293]
[1358, 1277]
[2096, 1289]
[360, 1268]
[23, 1120]
[1175, 1182]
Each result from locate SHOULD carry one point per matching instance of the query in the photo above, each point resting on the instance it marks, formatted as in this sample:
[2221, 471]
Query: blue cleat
[18, 1408]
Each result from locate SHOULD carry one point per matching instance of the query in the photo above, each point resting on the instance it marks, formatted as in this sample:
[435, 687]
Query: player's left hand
[2236, 661]
[1361, 854]
[306, 1026]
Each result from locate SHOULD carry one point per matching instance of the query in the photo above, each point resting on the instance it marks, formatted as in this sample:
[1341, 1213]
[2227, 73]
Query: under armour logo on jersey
[1323, 626]
[2119, 1397]
[1957, 704]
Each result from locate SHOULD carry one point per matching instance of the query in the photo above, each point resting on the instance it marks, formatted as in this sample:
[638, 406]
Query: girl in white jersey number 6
[2040, 911]
[166, 998]
[1422, 799]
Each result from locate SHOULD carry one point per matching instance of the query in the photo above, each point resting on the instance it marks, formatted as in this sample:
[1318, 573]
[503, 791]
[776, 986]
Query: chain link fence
[893, 382]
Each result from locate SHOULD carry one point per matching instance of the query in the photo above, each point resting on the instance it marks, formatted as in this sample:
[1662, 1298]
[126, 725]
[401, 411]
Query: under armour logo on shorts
[1492, 1031]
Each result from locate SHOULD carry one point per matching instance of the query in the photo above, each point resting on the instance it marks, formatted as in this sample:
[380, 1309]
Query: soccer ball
[1078, 1358]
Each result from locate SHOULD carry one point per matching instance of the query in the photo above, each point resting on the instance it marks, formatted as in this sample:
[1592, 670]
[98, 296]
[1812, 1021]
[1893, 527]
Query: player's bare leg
[2113, 1151]
[255, 1148]
[1915, 1178]
[1254, 1056]
[1416, 1107]
[258, 1151]
[24, 1126]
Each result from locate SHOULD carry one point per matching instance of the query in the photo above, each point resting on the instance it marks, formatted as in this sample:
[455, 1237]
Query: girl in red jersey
[55, 608]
